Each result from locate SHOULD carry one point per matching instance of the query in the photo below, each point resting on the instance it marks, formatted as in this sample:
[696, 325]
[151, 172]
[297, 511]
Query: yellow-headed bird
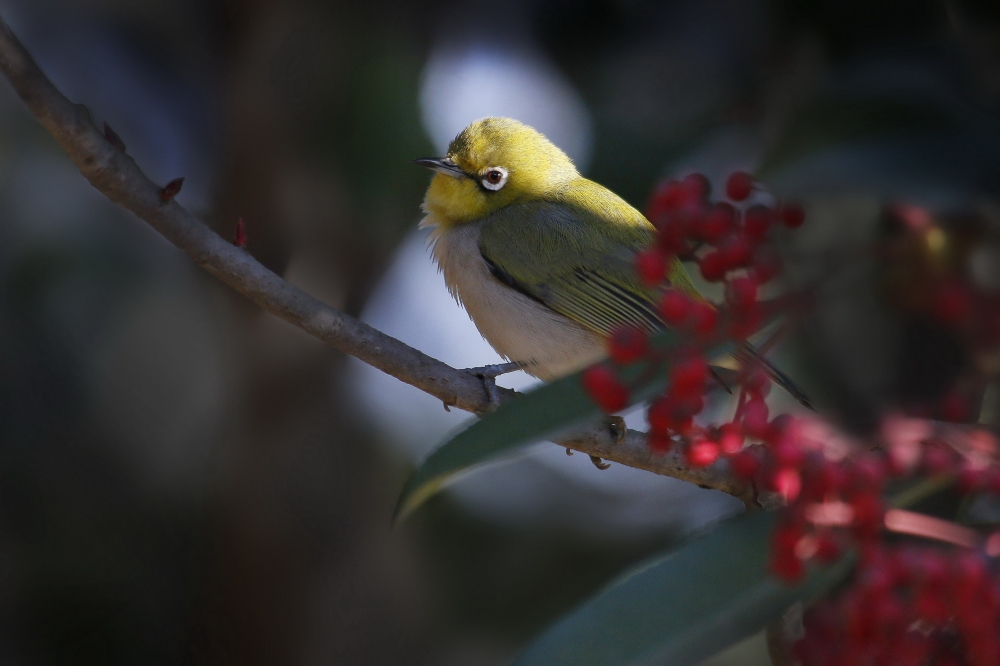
[540, 257]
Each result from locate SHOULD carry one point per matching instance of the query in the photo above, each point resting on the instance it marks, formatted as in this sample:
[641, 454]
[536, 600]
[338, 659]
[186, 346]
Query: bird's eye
[494, 178]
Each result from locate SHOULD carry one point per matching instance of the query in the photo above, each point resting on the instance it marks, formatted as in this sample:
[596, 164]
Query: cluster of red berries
[729, 245]
[904, 605]
[909, 606]
[718, 235]
[833, 505]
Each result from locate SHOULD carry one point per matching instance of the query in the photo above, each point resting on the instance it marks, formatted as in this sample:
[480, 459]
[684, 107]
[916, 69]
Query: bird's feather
[588, 273]
[586, 238]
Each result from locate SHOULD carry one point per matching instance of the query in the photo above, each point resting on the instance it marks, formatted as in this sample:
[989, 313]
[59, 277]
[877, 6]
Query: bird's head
[492, 163]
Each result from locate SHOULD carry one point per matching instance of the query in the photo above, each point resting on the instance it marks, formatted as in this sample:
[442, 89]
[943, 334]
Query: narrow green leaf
[540, 414]
[543, 413]
[681, 608]
[695, 601]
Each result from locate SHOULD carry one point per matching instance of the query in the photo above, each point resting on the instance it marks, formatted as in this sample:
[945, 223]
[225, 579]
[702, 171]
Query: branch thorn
[240, 240]
[113, 137]
[171, 189]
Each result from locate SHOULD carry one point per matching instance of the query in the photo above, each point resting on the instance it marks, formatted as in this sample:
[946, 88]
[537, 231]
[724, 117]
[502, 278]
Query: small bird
[541, 258]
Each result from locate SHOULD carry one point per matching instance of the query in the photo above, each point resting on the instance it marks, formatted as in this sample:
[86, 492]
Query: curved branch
[102, 161]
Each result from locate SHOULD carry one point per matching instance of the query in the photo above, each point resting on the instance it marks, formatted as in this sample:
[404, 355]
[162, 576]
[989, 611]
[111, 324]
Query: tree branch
[116, 175]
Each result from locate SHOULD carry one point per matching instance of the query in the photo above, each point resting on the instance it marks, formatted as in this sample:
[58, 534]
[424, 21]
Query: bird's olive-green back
[574, 251]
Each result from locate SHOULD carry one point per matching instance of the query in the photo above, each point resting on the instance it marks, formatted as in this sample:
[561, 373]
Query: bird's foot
[616, 426]
[598, 463]
[489, 374]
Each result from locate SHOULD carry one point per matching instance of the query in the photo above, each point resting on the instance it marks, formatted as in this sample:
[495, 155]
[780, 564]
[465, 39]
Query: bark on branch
[113, 173]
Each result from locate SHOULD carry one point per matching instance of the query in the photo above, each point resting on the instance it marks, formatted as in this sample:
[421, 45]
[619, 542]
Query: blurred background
[184, 479]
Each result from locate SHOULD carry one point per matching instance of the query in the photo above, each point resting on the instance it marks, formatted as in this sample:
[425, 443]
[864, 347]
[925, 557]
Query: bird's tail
[747, 353]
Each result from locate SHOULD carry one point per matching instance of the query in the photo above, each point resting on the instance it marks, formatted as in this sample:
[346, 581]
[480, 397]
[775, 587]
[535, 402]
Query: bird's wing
[580, 264]
[573, 260]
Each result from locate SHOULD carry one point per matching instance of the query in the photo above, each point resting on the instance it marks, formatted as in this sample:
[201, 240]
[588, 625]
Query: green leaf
[542, 413]
[684, 607]
[695, 601]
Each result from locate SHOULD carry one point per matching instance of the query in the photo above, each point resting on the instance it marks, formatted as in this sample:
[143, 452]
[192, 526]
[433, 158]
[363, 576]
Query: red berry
[827, 548]
[741, 292]
[684, 425]
[702, 453]
[889, 612]
[784, 563]
[675, 307]
[991, 480]
[788, 454]
[786, 537]
[696, 188]
[931, 607]
[659, 443]
[746, 324]
[829, 479]
[933, 569]
[730, 438]
[712, 266]
[745, 464]
[668, 197]
[938, 459]
[756, 221]
[788, 483]
[971, 479]
[757, 383]
[716, 222]
[792, 215]
[660, 415]
[766, 265]
[735, 252]
[983, 650]
[605, 389]
[867, 514]
[739, 186]
[704, 318]
[672, 233]
[788, 568]
[688, 376]
[868, 472]
[755, 417]
[971, 573]
[667, 413]
[687, 406]
[651, 265]
[627, 345]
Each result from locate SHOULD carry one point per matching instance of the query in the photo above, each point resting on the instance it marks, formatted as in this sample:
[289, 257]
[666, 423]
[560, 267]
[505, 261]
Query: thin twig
[929, 527]
[103, 162]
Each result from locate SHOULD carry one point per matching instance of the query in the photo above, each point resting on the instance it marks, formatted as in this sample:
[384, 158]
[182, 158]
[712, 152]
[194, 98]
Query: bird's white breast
[517, 327]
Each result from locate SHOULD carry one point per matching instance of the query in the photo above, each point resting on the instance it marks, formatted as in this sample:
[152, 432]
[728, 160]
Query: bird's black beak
[442, 165]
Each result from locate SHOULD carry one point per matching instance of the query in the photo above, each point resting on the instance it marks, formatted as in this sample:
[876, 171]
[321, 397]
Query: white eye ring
[494, 178]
